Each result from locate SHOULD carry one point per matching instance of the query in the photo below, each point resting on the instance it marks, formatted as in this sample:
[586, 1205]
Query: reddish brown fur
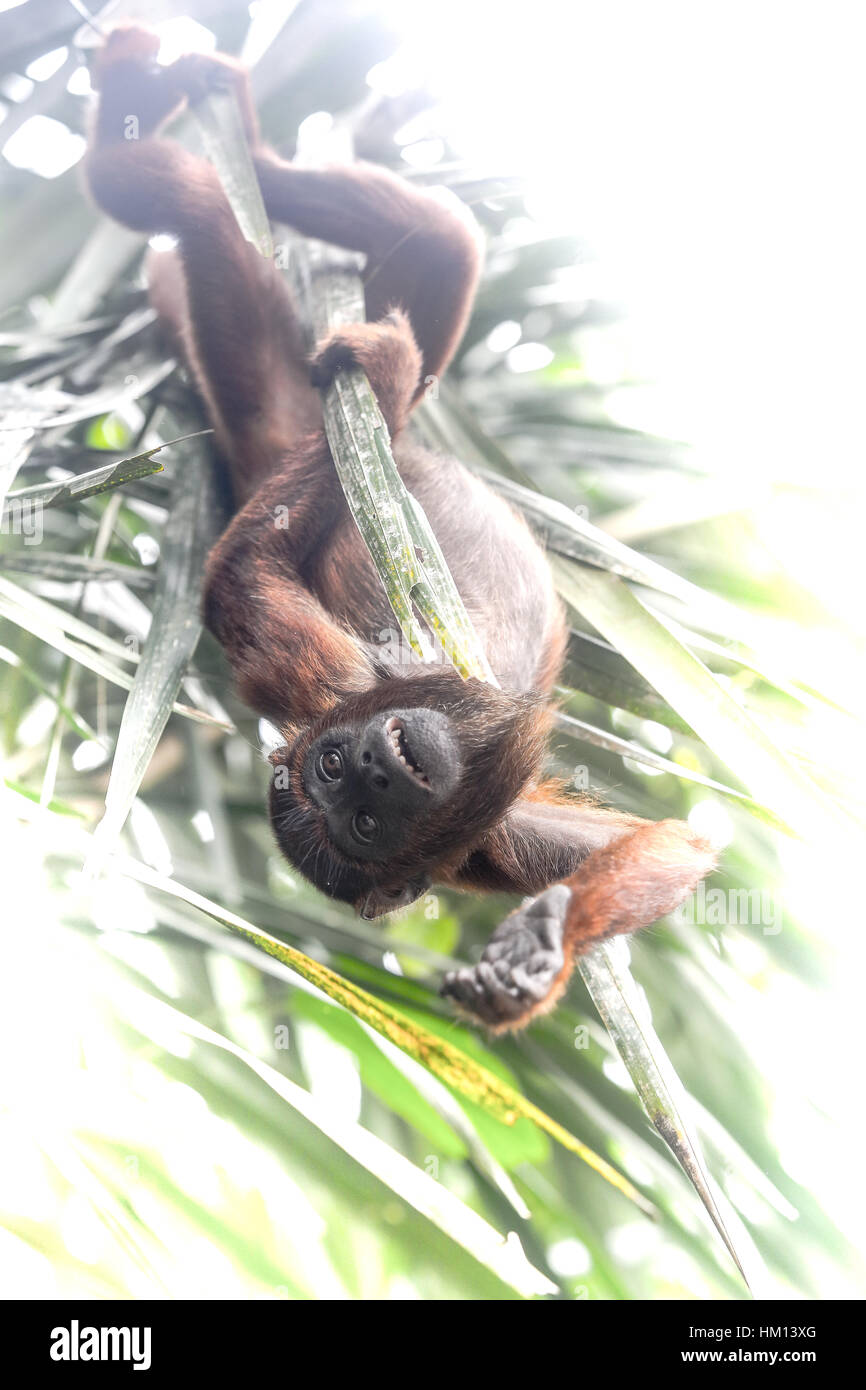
[633, 882]
[296, 602]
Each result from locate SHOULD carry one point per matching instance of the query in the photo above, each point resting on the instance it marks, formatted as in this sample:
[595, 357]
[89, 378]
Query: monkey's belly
[499, 569]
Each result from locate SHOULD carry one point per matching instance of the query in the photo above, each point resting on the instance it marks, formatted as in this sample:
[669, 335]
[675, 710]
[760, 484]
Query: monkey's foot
[131, 43]
[127, 44]
[386, 350]
[522, 971]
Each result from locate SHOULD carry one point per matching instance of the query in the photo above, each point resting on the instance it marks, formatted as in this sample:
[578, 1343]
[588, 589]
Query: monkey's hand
[634, 880]
[200, 74]
[523, 969]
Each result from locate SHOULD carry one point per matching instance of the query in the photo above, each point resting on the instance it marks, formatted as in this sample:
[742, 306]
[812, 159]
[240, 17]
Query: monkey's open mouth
[397, 738]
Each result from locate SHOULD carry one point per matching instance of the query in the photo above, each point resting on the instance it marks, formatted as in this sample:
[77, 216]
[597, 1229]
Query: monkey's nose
[372, 771]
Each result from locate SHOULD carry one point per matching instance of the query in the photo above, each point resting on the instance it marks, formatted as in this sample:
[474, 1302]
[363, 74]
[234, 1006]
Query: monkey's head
[398, 784]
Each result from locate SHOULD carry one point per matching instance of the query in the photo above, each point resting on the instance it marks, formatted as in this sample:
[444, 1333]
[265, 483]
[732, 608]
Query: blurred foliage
[184, 1116]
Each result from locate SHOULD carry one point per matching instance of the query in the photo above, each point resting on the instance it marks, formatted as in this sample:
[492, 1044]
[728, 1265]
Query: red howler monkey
[390, 777]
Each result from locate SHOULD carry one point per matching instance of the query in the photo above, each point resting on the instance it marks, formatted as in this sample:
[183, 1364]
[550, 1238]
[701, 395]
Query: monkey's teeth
[398, 743]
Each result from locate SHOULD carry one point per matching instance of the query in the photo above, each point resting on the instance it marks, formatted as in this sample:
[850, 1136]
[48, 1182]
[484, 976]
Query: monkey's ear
[379, 901]
[538, 843]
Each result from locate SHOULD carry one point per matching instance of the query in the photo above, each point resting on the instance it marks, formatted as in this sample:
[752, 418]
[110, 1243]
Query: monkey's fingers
[523, 969]
[199, 74]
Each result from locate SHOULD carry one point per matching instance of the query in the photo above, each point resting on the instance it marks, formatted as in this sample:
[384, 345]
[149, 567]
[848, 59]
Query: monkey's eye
[365, 826]
[330, 765]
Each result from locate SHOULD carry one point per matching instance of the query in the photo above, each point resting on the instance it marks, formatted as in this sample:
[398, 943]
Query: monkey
[391, 775]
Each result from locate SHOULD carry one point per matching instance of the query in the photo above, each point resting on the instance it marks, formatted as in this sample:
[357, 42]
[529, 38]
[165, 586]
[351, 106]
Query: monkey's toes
[385, 350]
[343, 350]
[519, 967]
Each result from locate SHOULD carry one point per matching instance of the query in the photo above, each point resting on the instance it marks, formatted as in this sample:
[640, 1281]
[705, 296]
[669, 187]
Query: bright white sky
[714, 154]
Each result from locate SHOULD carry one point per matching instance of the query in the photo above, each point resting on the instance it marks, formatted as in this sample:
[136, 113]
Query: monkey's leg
[630, 883]
[423, 256]
[423, 253]
[236, 317]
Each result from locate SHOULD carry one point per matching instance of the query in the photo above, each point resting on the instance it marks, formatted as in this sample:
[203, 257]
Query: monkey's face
[375, 799]
[374, 781]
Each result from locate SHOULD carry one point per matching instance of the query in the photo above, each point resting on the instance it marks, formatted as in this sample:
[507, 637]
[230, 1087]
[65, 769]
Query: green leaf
[51, 624]
[91, 484]
[75, 722]
[606, 975]
[174, 632]
[612, 743]
[682, 679]
[99, 262]
[222, 129]
[504, 1257]
[76, 569]
[380, 1075]
[450, 1063]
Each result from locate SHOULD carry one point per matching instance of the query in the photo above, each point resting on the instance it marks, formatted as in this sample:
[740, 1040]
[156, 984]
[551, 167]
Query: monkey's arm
[628, 884]
[291, 661]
